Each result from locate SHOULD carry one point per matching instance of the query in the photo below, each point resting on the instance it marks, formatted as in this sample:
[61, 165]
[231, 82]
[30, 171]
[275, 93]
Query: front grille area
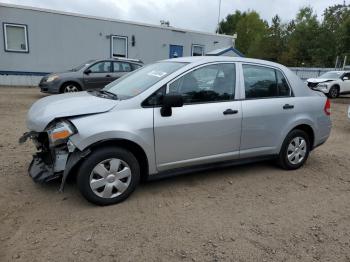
[43, 80]
[310, 84]
[42, 141]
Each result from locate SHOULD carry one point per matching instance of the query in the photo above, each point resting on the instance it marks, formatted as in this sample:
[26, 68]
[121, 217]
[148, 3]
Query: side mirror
[169, 101]
[87, 71]
[345, 78]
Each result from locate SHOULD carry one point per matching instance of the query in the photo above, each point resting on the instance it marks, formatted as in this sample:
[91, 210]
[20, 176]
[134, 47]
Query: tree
[303, 45]
[251, 30]
[304, 41]
[275, 41]
[229, 25]
[335, 32]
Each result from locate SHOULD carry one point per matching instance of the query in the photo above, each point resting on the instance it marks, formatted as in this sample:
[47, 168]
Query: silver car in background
[93, 74]
[174, 116]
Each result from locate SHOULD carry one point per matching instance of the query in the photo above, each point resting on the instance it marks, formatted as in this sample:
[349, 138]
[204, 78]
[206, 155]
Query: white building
[39, 41]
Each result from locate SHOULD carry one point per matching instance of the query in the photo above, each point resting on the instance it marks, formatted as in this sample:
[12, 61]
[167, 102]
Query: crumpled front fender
[73, 159]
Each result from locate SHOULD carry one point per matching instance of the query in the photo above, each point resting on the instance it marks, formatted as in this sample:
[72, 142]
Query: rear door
[267, 108]
[208, 127]
[99, 75]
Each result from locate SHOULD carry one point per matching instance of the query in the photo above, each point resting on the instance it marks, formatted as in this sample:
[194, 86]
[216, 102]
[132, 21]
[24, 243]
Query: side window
[135, 66]
[121, 67]
[346, 75]
[207, 84]
[264, 82]
[101, 67]
[283, 87]
[156, 98]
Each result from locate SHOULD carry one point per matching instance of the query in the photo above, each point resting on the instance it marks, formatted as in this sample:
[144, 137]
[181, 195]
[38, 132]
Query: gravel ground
[255, 212]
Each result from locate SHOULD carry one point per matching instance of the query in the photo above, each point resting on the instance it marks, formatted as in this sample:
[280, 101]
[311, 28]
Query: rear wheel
[333, 92]
[295, 150]
[108, 176]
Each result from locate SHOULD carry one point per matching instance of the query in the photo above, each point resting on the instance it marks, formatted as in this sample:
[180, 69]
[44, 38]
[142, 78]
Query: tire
[70, 88]
[333, 92]
[98, 180]
[301, 153]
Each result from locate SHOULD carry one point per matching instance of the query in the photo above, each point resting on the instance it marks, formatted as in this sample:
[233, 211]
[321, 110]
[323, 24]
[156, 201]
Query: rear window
[264, 82]
[135, 66]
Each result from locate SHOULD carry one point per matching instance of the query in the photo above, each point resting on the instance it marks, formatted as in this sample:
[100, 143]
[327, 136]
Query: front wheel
[70, 88]
[333, 92]
[108, 176]
[295, 150]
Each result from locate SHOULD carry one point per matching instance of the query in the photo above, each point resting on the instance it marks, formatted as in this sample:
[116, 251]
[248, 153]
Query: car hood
[319, 80]
[49, 108]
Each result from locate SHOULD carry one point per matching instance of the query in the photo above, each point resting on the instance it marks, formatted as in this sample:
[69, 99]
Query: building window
[119, 46]
[16, 38]
[197, 50]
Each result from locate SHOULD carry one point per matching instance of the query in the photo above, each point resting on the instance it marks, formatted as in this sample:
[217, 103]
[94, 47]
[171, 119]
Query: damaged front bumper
[41, 170]
[51, 162]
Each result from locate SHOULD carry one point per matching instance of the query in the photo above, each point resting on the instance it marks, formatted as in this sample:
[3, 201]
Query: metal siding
[58, 42]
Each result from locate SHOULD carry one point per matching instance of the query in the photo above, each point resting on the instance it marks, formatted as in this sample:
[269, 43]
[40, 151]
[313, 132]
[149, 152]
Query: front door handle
[108, 75]
[230, 112]
[288, 106]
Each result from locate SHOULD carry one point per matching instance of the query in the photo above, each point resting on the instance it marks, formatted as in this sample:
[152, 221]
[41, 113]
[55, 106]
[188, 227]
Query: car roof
[130, 60]
[209, 59]
[338, 72]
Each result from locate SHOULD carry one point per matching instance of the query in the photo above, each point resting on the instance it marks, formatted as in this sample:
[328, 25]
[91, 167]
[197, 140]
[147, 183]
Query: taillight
[327, 107]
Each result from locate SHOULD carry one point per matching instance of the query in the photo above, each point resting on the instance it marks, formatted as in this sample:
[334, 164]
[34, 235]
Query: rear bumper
[41, 170]
[324, 132]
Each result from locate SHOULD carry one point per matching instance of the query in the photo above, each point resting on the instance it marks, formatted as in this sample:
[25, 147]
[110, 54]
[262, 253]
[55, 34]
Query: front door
[267, 109]
[175, 51]
[98, 75]
[346, 83]
[208, 127]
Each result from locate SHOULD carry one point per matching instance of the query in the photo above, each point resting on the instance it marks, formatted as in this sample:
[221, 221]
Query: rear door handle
[108, 75]
[288, 106]
[230, 112]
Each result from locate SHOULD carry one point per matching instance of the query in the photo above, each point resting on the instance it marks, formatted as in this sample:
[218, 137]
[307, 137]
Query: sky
[201, 15]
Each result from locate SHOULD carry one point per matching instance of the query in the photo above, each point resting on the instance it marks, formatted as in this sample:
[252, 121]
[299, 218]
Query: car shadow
[211, 173]
[342, 99]
[163, 183]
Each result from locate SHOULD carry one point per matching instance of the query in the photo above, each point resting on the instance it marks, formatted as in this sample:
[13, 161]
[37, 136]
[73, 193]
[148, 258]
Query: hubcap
[296, 150]
[70, 89]
[110, 178]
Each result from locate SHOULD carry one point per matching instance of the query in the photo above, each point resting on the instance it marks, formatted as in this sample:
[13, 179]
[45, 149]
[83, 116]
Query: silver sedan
[176, 116]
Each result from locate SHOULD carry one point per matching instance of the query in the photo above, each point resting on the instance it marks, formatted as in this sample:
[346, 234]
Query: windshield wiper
[108, 93]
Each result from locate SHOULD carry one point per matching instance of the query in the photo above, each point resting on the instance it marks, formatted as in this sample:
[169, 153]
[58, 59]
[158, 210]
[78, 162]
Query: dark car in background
[93, 74]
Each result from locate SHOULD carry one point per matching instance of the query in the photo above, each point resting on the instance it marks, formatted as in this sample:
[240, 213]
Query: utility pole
[219, 16]
[336, 63]
[344, 63]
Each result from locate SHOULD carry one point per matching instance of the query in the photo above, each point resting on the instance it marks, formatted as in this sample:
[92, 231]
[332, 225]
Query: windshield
[331, 75]
[77, 68]
[135, 83]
